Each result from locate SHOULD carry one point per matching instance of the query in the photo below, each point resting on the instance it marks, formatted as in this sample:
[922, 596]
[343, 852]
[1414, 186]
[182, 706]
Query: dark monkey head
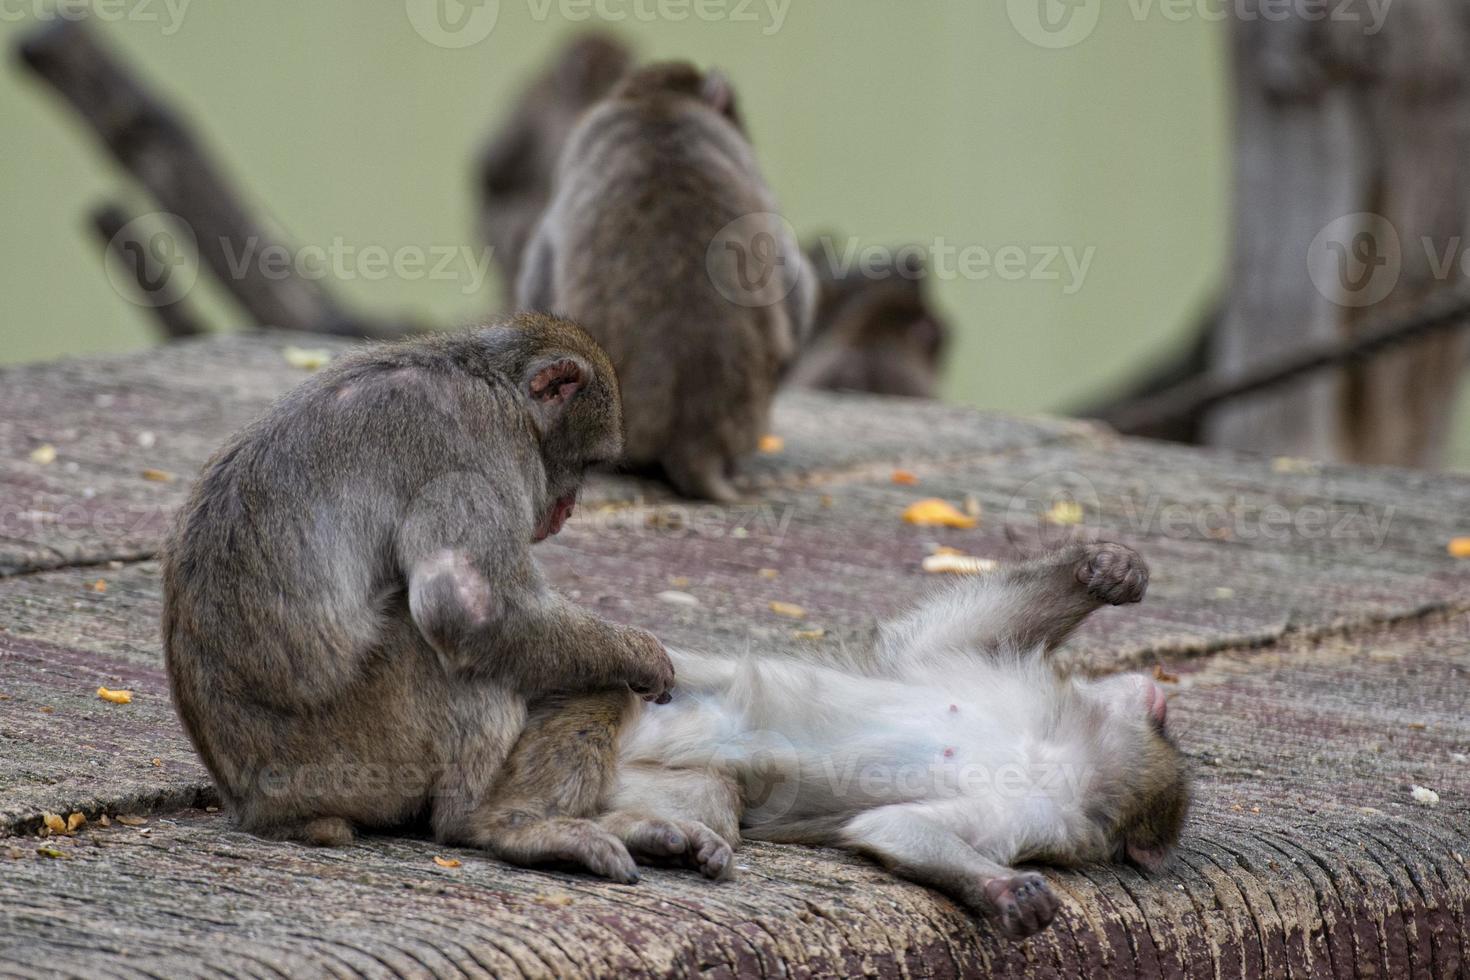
[522, 157]
[673, 80]
[573, 400]
[1144, 819]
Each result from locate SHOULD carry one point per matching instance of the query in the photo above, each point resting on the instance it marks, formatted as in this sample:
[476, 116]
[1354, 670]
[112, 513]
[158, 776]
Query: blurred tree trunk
[1352, 199]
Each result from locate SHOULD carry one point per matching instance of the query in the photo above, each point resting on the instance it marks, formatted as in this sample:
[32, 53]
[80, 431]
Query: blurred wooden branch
[1189, 400]
[157, 287]
[150, 140]
[1352, 196]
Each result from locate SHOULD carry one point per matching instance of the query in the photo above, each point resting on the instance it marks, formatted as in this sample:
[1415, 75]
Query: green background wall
[888, 121]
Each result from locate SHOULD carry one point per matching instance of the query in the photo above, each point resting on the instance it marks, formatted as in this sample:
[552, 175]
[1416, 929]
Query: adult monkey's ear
[551, 383]
[720, 94]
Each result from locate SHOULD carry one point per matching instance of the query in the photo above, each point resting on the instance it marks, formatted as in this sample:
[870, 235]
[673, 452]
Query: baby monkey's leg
[555, 778]
[1037, 603]
[679, 816]
[914, 845]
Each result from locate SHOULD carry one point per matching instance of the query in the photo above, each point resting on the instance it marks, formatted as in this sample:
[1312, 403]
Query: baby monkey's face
[1155, 800]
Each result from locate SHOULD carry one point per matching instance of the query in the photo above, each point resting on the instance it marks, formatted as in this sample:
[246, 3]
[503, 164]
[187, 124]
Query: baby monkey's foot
[1113, 574]
[1022, 904]
[683, 842]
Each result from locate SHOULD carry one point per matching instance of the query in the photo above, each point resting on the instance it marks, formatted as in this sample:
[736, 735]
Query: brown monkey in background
[662, 240]
[516, 166]
[875, 329]
[353, 623]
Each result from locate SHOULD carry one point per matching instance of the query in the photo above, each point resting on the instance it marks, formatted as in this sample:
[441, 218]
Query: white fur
[993, 746]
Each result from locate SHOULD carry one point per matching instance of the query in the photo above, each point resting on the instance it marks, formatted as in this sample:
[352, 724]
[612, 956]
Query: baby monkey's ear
[551, 384]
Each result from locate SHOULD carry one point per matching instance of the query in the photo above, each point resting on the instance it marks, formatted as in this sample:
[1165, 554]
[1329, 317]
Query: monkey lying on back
[951, 752]
[354, 626]
[662, 240]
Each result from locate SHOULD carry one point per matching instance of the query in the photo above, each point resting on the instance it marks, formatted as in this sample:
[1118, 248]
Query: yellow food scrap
[944, 549]
[1459, 547]
[54, 823]
[307, 358]
[933, 512]
[50, 852]
[788, 609]
[445, 862]
[74, 821]
[554, 900]
[1065, 512]
[158, 476]
[814, 634]
[958, 565]
[1291, 464]
[100, 585]
[115, 697]
[768, 573]
[44, 455]
[905, 479]
[772, 444]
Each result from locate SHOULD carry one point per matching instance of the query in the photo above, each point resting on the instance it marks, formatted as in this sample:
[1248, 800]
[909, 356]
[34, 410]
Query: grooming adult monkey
[516, 166]
[951, 751]
[353, 623]
[663, 241]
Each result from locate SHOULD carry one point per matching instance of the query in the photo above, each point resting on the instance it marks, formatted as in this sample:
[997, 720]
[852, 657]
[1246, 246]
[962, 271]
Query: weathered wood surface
[1319, 632]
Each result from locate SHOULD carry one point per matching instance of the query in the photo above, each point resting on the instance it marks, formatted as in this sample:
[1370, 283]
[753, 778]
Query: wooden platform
[1313, 630]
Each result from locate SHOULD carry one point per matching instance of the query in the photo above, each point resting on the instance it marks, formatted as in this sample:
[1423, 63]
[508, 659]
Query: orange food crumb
[158, 476]
[445, 862]
[1459, 547]
[933, 512]
[905, 479]
[115, 697]
[100, 585]
[772, 444]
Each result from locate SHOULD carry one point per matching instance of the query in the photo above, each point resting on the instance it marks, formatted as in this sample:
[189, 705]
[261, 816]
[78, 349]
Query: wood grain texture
[1318, 631]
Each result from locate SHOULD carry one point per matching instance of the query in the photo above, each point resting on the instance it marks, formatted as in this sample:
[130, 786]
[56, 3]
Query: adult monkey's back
[663, 240]
[353, 622]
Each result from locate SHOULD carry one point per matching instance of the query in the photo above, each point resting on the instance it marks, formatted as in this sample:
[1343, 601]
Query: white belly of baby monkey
[984, 746]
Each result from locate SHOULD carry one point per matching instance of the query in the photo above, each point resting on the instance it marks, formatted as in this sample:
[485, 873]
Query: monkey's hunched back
[700, 317]
[353, 623]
